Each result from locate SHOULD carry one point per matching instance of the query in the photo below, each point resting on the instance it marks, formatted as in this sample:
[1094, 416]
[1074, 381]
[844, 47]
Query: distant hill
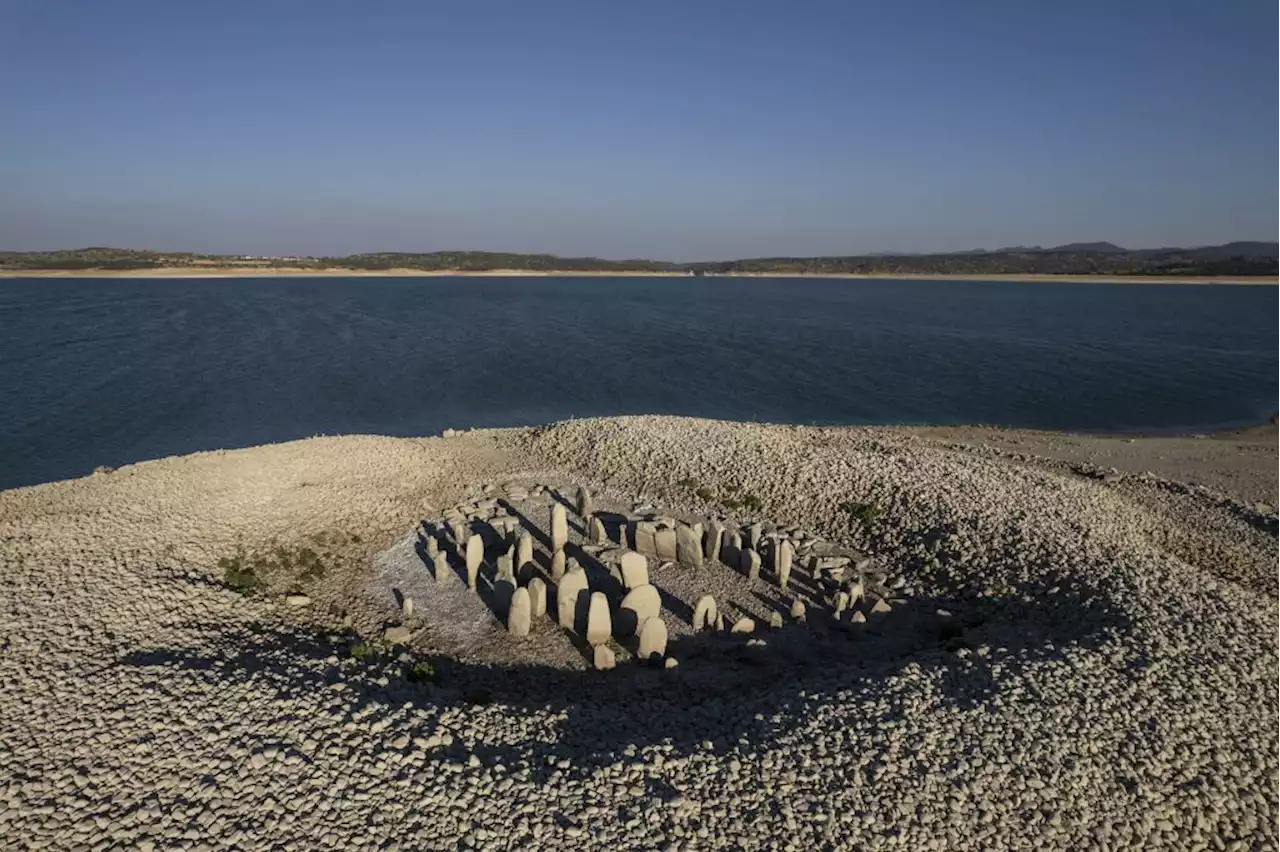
[1231, 259]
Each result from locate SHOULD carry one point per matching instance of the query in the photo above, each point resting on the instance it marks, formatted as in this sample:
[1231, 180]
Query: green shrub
[864, 513]
[752, 503]
[705, 494]
[361, 651]
[238, 573]
[422, 672]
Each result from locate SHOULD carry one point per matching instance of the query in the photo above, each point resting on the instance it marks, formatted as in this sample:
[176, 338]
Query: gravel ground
[1107, 678]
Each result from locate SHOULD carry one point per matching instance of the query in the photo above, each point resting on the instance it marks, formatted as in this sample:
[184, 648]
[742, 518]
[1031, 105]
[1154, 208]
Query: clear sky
[678, 130]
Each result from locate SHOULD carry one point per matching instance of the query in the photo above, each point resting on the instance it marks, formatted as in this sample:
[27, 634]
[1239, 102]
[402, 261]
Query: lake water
[111, 371]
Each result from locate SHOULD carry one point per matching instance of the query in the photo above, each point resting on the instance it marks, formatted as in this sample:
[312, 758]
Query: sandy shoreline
[1074, 646]
[287, 272]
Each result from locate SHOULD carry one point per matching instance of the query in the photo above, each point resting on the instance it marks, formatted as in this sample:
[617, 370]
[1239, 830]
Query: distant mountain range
[1098, 258]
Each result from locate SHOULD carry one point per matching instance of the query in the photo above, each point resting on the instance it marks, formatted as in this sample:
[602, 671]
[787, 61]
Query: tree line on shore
[1233, 259]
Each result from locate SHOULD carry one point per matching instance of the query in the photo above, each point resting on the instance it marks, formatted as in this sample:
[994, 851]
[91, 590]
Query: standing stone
[711, 540]
[537, 590]
[733, 541]
[856, 591]
[665, 540]
[688, 546]
[557, 566]
[842, 603]
[524, 550]
[570, 586]
[475, 555]
[596, 532]
[640, 604]
[599, 622]
[520, 613]
[635, 570]
[798, 611]
[704, 613]
[750, 563]
[858, 621]
[646, 537]
[407, 607]
[775, 619]
[753, 535]
[653, 638]
[507, 562]
[881, 606]
[559, 527]
[440, 567]
[783, 557]
[458, 530]
[433, 546]
[603, 658]
[743, 625]
[583, 502]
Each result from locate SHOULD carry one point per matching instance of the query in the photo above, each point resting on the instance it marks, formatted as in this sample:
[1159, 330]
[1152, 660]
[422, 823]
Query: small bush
[705, 494]
[864, 513]
[239, 574]
[731, 504]
[361, 651]
[688, 483]
[422, 672]
[752, 503]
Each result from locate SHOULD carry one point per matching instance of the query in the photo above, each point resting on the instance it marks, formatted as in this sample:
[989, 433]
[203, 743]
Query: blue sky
[680, 130]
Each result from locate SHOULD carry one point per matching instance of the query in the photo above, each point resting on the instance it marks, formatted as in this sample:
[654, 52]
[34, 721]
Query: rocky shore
[1076, 648]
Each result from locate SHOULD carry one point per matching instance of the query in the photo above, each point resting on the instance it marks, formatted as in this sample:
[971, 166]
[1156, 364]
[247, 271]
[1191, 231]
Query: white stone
[599, 620]
[641, 604]
[603, 657]
[704, 613]
[572, 584]
[557, 566]
[524, 550]
[712, 539]
[475, 555]
[798, 610]
[653, 638]
[753, 535]
[537, 597]
[750, 561]
[635, 570]
[583, 502]
[784, 555]
[559, 527]
[743, 625]
[688, 546]
[440, 567]
[596, 533]
[300, 600]
[520, 614]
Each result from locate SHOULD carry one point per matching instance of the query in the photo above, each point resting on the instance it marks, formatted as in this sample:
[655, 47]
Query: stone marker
[303, 600]
[583, 502]
[689, 546]
[704, 613]
[639, 605]
[743, 625]
[557, 566]
[537, 597]
[798, 611]
[635, 570]
[559, 527]
[397, 635]
[753, 535]
[604, 658]
[440, 566]
[646, 537]
[750, 561]
[856, 591]
[475, 555]
[711, 540]
[720, 622]
[458, 530]
[570, 586]
[881, 607]
[520, 613]
[670, 663]
[406, 607]
[842, 603]
[524, 550]
[599, 622]
[433, 546]
[783, 555]
[775, 619]
[665, 541]
[653, 638]
[596, 533]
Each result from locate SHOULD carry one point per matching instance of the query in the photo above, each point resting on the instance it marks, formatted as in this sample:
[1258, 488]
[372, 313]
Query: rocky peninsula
[648, 633]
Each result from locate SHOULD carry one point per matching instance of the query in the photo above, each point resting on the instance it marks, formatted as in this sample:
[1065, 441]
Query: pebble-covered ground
[1112, 683]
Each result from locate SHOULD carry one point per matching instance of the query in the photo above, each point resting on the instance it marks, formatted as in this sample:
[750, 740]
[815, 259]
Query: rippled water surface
[114, 370]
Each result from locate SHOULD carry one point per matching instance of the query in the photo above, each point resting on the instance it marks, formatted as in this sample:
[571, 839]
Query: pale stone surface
[688, 546]
[596, 533]
[433, 546]
[635, 570]
[440, 567]
[665, 543]
[603, 658]
[458, 531]
[646, 537]
[599, 621]
[881, 606]
[857, 617]
[572, 584]
[856, 591]
[743, 625]
[670, 663]
[784, 554]
[711, 540]
[557, 566]
[520, 614]
[475, 555]
[397, 635]
[583, 502]
[704, 613]
[798, 610]
[733, 539]
[639, 605]
[842, 603]
[524, 550]
[750, 562]
[406, 607]
[303, 600]
[537, 597]
[753, 535]
[559, 527]
[653, 638]
[775, 619]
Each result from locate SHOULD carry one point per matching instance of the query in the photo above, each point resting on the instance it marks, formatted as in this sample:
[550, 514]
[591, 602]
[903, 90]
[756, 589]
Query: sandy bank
[290, 272]
[1109, 681]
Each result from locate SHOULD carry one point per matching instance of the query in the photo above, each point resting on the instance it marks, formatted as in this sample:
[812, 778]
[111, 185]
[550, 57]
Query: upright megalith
[841, 604]
[432, 545]
[783, 556]
[559, 527]
[750, 563]
[520, 613]
[639, 605]
[688, 546]
[596, 533]
[798, 611]
[599, 620]
[571, 585]
[458, 532]
[537, 590]
[743, 625]
[665, 543]
[475, 555]
[753, 535]
[582, 501]
[635, 570]
[711, 540]
[524, 550]
[603, 658]
[440, 567]
[557, 566]
[704, 613]
[775, 619]
[653, 639]
[645, 537]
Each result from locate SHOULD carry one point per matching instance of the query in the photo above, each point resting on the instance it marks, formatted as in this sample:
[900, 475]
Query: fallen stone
[688, 546]
[604, 658]
[406, 607]
[635, 570]
[599, 621]
[670, 663]
[743, 625]
[653, 638]
[298, 600]
[520, 613]
[704, 613]
[397, 635]
[881, 606]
